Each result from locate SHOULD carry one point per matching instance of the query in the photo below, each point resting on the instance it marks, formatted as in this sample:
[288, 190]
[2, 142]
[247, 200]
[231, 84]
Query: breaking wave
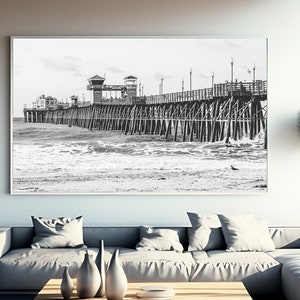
[59, 151]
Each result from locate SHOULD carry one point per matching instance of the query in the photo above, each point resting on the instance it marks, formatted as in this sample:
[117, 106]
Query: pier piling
[204, 115]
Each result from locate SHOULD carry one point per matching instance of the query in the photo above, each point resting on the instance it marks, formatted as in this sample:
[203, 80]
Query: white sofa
[270, 273]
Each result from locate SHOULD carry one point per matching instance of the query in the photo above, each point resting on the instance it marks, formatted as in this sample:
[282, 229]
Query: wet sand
[58, 159]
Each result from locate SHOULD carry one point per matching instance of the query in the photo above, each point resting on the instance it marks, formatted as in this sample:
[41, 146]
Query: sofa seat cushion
[199, 255]
[290, 260]
[291, 279]
[30, 269]
[260, 272]
[285, 255]
[155, 265]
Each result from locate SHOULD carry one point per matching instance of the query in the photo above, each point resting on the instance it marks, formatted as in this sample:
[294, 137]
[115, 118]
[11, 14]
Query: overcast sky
[60, 67]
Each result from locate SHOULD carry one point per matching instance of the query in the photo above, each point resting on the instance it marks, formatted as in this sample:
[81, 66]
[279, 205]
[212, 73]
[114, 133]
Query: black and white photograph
[168, 115]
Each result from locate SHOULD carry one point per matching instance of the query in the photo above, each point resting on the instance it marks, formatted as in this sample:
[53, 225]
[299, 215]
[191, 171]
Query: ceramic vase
[116, 281]
[101, 267]
[88, 278]
[66, 286]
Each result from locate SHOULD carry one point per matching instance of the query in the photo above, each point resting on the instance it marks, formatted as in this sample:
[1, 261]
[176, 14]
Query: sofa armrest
[5, 240]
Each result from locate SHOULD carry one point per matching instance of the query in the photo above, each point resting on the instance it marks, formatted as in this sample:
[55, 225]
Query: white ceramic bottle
[88, 278]
[116, 281]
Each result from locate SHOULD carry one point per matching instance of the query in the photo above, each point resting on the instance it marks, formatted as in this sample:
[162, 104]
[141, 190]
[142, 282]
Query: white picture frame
[138, 115]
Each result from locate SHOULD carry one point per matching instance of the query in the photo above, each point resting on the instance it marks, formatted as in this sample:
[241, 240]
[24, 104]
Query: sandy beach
[58, 159]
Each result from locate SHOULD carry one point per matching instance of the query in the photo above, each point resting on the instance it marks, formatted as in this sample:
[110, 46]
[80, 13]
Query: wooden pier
[206, 115]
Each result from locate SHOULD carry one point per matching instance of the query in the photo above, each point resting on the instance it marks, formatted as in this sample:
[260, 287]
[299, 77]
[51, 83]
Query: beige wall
[276, 19]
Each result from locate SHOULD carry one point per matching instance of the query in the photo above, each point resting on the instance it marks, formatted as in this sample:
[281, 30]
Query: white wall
[276, 19]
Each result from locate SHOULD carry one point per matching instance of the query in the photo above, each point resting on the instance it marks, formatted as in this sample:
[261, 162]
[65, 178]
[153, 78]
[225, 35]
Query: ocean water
[48, 158]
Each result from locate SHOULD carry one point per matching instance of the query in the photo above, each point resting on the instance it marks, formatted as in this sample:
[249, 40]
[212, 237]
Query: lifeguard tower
[130, 82]
[96, 85]
[74, 101]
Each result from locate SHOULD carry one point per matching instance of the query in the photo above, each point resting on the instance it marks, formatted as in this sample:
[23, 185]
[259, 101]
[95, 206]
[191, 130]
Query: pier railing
[221, 90]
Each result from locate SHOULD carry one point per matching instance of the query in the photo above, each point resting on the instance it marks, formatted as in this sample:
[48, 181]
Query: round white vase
[88, 278]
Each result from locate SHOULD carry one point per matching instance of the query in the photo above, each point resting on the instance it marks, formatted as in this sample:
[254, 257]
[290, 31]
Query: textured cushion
[260, 273]
[158, 239]
[156, 265]
[205, 233]
[242, 233]
[57, 233]
[30, 269]
[40, 265]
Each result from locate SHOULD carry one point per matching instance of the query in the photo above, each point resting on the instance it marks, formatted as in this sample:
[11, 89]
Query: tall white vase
[66, 286]
[116, 281]
[88, 278]
[101, 267]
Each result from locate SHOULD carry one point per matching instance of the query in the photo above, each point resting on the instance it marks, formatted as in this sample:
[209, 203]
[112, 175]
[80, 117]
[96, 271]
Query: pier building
[43, 102]
[75, 102]
[122, 91]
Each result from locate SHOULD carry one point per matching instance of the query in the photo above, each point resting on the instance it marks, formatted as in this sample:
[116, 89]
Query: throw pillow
[243, 233]
[205, 233]
[159, 239]
[57, 233]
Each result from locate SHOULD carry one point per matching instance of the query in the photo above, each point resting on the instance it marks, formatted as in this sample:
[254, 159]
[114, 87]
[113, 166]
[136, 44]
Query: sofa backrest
[123, 236]
[113, 236]
[285, 237]
[21, 237]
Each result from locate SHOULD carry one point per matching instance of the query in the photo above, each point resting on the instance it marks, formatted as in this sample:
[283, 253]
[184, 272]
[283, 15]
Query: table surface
[183, 290]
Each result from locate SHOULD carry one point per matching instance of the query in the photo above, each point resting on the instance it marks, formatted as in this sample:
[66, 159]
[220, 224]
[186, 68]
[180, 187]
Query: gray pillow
[57, 233]
[205, 233]
[159, 239]
[243, 233]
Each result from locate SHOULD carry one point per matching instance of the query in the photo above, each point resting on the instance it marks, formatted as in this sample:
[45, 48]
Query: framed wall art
[167, 115]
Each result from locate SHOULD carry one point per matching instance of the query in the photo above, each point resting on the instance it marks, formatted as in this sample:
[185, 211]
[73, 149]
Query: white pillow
[243, 233]
[205, 233]
[57, 233]
[159, 239]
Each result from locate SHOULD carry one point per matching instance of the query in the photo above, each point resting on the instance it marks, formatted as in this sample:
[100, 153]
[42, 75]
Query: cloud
[66, 64]
[102, 65]
[113, 69]
[73, 58]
